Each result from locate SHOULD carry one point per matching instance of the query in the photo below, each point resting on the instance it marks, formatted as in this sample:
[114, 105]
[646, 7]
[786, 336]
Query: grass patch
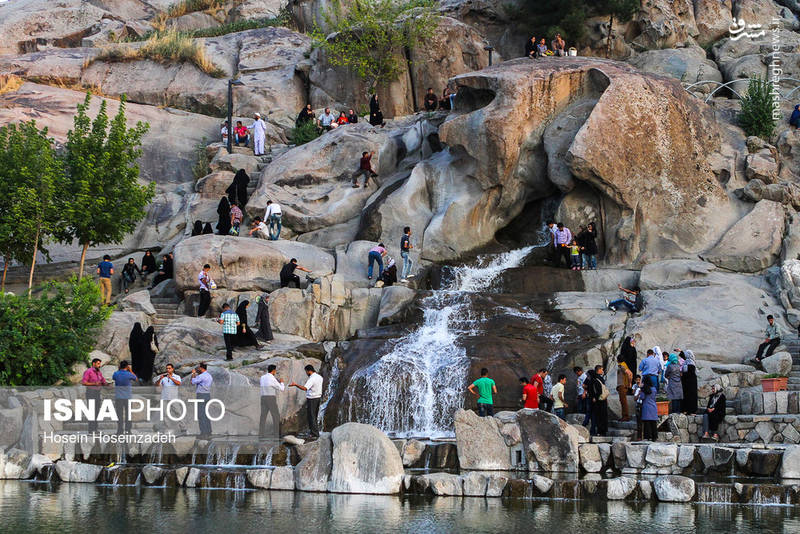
[10, 83]
[231, 27]
[185, 7]
[169, 48]
[201, 160]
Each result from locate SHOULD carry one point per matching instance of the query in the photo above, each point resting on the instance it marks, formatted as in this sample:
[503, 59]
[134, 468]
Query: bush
[43, 338]
[305, 132]
[167, 47]
[201, 160]
[190, 6]
[756, 117]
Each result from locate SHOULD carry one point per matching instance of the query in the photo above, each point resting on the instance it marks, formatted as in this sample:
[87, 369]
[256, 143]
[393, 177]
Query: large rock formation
[550, 444]
[480, 444]
[364, 461]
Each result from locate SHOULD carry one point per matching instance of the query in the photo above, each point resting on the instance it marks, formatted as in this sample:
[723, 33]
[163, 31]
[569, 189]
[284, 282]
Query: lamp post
[489, 49]
[231, 83]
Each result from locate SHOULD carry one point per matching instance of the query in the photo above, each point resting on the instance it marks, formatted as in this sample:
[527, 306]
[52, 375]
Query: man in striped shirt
[229, 322]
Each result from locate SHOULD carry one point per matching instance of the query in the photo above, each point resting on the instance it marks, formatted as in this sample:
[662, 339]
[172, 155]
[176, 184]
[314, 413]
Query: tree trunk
[83, 256]
[33, 259]
[608, 39]
[5, 270]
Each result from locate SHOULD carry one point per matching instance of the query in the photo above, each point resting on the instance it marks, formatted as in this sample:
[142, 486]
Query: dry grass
[10, 83]
[169, 48]
[185, 7]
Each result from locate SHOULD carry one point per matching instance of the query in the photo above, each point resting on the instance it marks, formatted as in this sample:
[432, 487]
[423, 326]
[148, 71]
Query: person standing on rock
[364, 169]
[94, 380]
[205, 282]
[552, 249]
[714, 412]
[530, 394]
[772, 340]
[287, 273]
[169, 382]
[689, 383]
[104, 270]
[375, 114]
[273, 218]
[202, 381]
[270, 386]
[647, 397]
[650, 368]
[123, 380]
[674, 386]
[559, 403]
[236, 218]
[599, 397]
[376, 255]
[624, 381]
[259, 128]
[638, 396]
[244, 334]
[627, 353]
[486, 387]
[129, 271]
[588, 242]
[581, 392]
[264, 328]
[224, 213]
[230, 323]
[313, 389]
[405, 250]
[546, 390]
[563, 241]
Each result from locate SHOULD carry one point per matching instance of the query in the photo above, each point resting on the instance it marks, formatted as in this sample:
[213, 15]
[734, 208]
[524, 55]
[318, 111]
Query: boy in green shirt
[486, 387]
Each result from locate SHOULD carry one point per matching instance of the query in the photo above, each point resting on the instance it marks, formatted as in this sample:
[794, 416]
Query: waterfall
[419, 383]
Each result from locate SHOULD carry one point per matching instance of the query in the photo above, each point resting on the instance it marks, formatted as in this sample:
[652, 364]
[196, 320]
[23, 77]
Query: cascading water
[417, 386]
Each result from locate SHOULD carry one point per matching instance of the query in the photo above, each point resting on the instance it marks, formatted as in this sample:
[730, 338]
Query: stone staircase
[166, 312]
[793, 347]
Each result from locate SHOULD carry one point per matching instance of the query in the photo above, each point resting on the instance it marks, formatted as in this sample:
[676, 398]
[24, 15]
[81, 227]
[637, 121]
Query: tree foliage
[43, 338]
[370, 37]
[102, 199]
[30, 173]
[756, 116]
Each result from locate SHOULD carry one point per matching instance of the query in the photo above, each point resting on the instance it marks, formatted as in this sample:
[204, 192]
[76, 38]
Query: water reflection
[29, 507]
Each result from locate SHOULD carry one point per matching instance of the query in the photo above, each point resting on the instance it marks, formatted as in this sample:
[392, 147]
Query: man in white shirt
[273, 218]
[170, 383]
[326, 119]
[270, 386]
[313, 389]
[259, 128]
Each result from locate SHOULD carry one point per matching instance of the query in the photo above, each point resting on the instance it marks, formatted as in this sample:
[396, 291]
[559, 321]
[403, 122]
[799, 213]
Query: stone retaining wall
[764, 429]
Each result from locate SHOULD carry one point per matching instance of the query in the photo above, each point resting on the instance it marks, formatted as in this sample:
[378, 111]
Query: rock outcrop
[480, 444]
[364, 461]
[550, 444]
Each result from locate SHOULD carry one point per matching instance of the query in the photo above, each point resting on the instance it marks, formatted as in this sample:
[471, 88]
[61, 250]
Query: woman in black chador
[136, 344]
[207, 229]
[375, 115]
[264, 329]
[237, 191]
[224, 212]
[149, 342]
[245, 337]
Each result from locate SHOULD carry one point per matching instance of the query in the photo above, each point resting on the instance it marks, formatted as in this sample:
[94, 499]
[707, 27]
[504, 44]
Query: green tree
[29, 174]
[369, 37]
[102, 199]
[43, 338]
[756, 116]
[623, 10]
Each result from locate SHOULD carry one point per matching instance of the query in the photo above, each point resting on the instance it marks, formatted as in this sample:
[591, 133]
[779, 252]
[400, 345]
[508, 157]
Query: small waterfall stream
[419, 383]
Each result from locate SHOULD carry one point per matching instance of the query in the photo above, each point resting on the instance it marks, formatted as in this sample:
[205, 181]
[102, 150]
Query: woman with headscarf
[674, 387]
[245, 337]
[148, 264]
[689, 383]
[714, 412]
[264, 328]
[197, 229]
[207, 229]
[589, 249]
[375, 115]
[233, 189]
[149, 350]
[794, 120]
[389, 275]
[627, 353]
[129, 271]
[224, 212]
[136, 345]
[649, 412]
[242, 180]
[165, 272]
[624, 382]
[661, 366]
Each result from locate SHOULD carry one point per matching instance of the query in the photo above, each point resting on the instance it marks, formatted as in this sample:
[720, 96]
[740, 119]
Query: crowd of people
[131, 271]
[578, 251]
[536, 48]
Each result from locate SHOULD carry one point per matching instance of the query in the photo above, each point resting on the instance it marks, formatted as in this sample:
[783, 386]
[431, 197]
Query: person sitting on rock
[530, 47]
[287, 273]
[431, 102]
[558, 45]
[632, 306]
[541, 48]
[342, 119]
[325, 120]
[772, 340]
[365, 169]
[794, 120]
[242, 134]
[306, 115]
[448, 97]
[389, 276]
[258, 229]
[352, 116]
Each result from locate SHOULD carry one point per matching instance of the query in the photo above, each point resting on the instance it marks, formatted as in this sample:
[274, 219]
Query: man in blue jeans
[405, 249]
[486, 387]
[202, 380]
[376, 255]
[273, 218]
[632, 306]
[123, 379]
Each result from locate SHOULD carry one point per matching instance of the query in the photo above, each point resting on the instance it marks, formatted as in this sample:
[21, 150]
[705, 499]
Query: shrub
[304, 133]
[43, 338]
[201, 161]
[190, 6]
[238, 26]
[167, 47]
[756, 117]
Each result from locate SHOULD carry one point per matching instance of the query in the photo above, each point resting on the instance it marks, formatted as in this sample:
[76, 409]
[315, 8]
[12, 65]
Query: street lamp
[489, 49]
[231, 83]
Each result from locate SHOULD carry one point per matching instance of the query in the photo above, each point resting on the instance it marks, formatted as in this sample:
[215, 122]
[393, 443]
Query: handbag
[603, 392]
[153, 347]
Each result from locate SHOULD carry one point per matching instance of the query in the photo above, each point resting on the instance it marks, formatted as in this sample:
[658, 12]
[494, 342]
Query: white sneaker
[607, 304]
[411, 276]
[404, 280]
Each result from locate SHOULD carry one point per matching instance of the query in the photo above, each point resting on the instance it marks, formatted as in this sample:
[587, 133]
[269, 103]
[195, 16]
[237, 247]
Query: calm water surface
[42, 508]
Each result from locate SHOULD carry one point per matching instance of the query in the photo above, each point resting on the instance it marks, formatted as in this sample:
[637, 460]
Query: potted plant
[662, 404]
[774, 382]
